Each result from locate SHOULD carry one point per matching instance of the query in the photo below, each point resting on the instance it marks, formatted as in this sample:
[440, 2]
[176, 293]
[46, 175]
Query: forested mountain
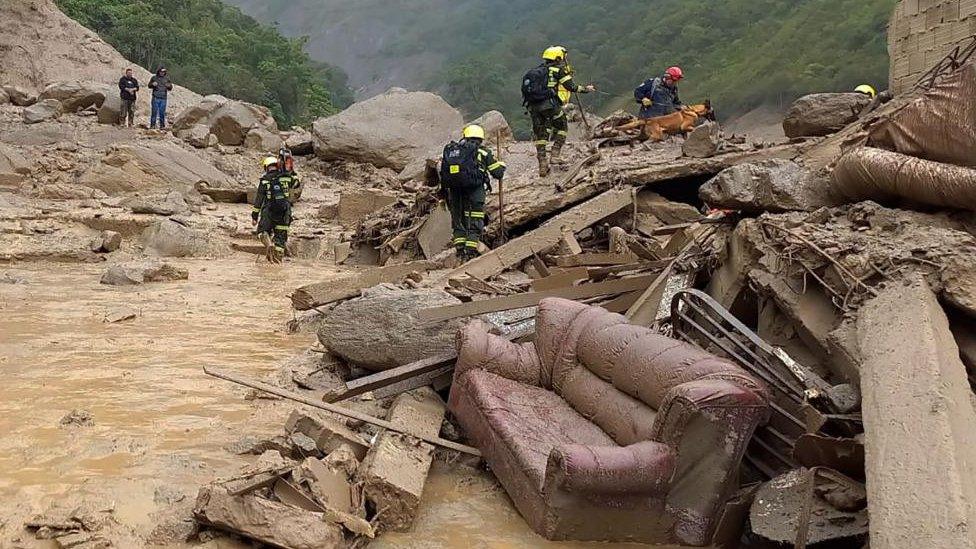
[739, 53]
[211, 47]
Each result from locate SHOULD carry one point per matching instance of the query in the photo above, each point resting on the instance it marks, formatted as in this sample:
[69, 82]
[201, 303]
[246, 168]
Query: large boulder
[111, 110]
[198, 135]
[299, 142]
[260, 139]
[494, 124]
[768, 186]
[152, 166]
[388, 130]
[48, 109]
[22, 97]
[703, 141]
[141, 271]
[380, 330]
[77, 95]
[14, 168]
[228, 119]
[822, 114]
[168, 238]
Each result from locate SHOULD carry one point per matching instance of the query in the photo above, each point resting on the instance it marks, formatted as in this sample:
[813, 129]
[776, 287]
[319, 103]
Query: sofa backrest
[617, 374]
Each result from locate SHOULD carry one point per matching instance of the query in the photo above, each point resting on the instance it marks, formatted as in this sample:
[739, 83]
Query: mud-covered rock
[260, 139]
[769, 186]
[228, 119]
[77, 95]
[388, 130]
[48, 109]
[168, 238]
[380, 330]
[703, 141]
[142, 271]
[22, 97]
[198, 135]
[821, 114]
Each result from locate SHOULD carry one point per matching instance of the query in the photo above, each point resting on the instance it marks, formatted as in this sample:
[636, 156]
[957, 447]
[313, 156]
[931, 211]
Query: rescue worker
[659, 96]
[272, 208]
[466, 169]
[545, 89]
[867, 89]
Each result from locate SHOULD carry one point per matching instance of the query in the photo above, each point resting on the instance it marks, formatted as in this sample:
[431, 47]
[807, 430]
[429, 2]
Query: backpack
[277, 197]
[285, 160]
[535, 86]
[459, 166]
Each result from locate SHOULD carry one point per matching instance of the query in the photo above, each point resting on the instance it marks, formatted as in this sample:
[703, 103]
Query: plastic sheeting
[940, 125]
[867, 173]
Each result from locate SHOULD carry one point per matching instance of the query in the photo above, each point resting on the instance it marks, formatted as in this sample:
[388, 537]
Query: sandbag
[940, 125]
[866, 173]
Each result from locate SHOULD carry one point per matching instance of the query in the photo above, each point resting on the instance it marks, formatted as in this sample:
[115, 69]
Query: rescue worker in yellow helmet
[867, 89]
[466, 168]
[272, 207]
[541, 88]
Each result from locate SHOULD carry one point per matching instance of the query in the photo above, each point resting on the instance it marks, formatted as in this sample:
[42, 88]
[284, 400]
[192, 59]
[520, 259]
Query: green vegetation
[210, 47]
[739, 53]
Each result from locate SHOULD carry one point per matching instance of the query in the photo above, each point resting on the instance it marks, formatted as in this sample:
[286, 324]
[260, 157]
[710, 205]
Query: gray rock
[49, 109]
[198, 135]
[703, 141]
[111, 110]
[299, 142]
[228, 119]
[379, 330]
[77, 95]
[494, 123]
[141, 271]
[821, 114]
[173, 203]
[260, 139]
[388, 130]
[167, 238]
[108, 241]
[19, 96]
[769, 186]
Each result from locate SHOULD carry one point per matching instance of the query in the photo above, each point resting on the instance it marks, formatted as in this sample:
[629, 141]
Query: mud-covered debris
[120, 314]
[327, 433]
[142, 271]
[78, 418]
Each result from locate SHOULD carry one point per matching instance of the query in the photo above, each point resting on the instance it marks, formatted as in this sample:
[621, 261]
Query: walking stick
[501, 191]
[586, 123]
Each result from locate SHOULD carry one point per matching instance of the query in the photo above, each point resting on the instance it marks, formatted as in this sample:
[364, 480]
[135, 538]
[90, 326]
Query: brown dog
[682, 121]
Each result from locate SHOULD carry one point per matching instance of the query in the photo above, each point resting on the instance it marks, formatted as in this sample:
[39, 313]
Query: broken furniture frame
[949, 64]
[698, 319]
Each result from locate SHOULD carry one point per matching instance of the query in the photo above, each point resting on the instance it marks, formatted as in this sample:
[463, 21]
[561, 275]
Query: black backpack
[459, 166]
[535, 86]
[278, 193]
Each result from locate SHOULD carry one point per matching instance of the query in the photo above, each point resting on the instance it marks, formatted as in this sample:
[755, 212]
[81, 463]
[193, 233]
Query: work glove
[647, 102]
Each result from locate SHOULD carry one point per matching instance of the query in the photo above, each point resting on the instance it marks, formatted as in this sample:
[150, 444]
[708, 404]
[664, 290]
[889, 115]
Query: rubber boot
[543, 164]
[557, 152]
[265, 239]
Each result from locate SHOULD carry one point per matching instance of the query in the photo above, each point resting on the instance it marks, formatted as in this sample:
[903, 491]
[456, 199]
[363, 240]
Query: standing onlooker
[160, 85]
[128, 86]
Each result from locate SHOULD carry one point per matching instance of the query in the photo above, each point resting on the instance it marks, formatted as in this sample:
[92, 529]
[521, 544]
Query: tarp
[940, 125]
[866, 173]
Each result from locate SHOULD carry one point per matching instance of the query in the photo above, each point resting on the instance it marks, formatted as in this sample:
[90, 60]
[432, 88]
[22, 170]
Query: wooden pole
[501, 191]
[260, 386]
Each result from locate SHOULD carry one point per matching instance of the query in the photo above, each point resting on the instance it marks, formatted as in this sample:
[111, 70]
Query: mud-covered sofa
[602, 430]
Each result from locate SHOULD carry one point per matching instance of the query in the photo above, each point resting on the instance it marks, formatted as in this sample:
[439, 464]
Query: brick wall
[921, 32]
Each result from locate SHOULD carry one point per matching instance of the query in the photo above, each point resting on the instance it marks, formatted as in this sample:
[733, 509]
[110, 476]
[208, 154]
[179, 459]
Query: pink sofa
[602, 430]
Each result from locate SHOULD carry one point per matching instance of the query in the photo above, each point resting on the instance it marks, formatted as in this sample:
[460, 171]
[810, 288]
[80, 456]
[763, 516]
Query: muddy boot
[557, 153]
[265, 239]
[543, 165]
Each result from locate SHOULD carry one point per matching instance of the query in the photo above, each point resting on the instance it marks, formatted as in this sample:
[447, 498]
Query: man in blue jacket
[659, 96]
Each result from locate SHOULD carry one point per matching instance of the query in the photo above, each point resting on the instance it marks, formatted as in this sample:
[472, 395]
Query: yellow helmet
[473, 131]
[866, 89]
[554, 53]
[268, 161]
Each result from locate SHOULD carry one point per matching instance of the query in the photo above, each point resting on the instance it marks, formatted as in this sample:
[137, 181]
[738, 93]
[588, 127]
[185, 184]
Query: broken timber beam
[530, 299]
[598, 259]
[345, 412]
[372, 382]
[547, 235]
[350, 285]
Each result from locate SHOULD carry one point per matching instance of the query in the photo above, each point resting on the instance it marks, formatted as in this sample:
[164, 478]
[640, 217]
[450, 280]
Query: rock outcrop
[770, 186]
[388, 130]
[229, 120]
[821, 114]
[379, 330]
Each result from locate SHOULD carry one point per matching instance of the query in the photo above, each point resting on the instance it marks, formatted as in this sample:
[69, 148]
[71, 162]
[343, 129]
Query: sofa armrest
[479, 349]
[644, 468]
[709, 422]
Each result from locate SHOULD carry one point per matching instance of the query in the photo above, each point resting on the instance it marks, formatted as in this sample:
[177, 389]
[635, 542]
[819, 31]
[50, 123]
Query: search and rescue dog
[682, 121]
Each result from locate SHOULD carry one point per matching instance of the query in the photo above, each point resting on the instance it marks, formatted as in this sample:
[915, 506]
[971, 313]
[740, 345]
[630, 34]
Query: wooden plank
[372, 382]
[351, 284]
[504, 303]
[594, 259]
[540, 265]
[570, 243]
[622, 302]
[547, 235]
[415, 382]
[345, 412]
[643, 311]
[560, 279]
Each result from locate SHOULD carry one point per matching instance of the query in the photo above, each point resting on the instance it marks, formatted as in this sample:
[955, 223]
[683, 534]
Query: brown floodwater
[160, 424]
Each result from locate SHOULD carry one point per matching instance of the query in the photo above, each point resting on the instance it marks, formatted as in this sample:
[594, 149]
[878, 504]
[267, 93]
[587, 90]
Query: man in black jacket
[161, 86]
[128, 86]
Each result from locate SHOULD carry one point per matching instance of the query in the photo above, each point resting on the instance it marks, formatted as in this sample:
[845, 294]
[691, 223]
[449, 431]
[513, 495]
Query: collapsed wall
[921, 32]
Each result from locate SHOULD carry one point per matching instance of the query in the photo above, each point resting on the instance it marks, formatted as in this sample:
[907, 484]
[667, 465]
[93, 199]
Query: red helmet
[675, 73]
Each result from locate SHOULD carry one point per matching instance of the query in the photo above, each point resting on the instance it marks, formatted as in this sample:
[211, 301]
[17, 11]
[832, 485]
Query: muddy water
[161, 425]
